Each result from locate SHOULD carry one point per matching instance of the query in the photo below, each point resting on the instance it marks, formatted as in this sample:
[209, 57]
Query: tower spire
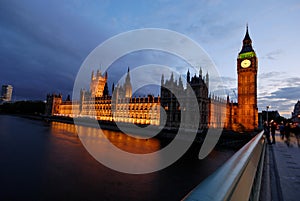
[247, 38]
[200, 73]
[188, 78]
[128, 76]
[247, 42]
[127, 85]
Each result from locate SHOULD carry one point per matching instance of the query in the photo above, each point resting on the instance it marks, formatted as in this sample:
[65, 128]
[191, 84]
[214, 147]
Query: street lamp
[268, 106]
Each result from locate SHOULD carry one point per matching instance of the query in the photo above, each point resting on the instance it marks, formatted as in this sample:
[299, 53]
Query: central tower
[247, 85]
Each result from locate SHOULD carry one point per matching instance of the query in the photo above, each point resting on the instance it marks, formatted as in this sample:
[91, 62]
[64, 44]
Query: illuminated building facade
[243, 115]
[247, 66]
[6, 93]
[97, 103]
[215, 112]
[53, 103]
[122, 107]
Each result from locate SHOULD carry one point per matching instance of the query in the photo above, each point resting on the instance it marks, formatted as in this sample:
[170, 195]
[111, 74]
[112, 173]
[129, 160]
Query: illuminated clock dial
[246, 63]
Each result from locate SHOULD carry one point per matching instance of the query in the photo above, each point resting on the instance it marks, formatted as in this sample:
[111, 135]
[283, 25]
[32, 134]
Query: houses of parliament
[215, 112]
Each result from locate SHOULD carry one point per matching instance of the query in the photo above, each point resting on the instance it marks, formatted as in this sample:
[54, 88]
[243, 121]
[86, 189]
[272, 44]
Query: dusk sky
[44, 43]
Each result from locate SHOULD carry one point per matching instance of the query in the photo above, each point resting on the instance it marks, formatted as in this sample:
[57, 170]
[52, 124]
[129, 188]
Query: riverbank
[228, 139]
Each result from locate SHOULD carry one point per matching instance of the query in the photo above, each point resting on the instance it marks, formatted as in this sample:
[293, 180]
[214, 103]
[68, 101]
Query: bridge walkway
[281, 174]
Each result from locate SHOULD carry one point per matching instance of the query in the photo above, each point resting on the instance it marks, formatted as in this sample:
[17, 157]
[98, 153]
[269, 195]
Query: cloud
[289, 93]
[43, 47]
[273, 74]
[273, 55]
[230, 87]
[278, 90]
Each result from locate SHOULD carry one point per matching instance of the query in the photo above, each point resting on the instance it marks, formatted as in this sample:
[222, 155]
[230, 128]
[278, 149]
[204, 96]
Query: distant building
[6, 93]
[272, 115]
[53, 102]
[296, 113]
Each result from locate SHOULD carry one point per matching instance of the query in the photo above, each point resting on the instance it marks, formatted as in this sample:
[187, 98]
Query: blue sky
[43, 43]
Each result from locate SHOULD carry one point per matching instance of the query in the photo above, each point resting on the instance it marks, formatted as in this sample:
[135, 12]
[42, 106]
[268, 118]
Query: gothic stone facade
[171, 103]
[214, 111]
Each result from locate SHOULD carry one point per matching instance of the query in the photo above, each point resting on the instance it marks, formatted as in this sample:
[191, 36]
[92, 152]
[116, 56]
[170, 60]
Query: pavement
[281, 176]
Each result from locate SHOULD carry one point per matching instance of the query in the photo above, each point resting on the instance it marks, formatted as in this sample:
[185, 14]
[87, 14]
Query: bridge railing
[238, 179]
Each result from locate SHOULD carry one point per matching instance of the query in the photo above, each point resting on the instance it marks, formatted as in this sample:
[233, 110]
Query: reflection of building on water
[93, 136]
[215, 112]
[61, 127]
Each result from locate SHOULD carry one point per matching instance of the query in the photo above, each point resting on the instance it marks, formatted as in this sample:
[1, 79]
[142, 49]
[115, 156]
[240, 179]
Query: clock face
[246, 63]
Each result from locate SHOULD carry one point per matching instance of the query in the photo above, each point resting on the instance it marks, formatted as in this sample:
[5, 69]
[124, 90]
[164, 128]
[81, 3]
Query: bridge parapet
[238, 179]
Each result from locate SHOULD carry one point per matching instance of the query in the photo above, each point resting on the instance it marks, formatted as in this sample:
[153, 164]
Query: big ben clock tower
[247, 85]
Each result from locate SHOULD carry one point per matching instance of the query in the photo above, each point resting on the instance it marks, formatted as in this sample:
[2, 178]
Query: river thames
[47, 161]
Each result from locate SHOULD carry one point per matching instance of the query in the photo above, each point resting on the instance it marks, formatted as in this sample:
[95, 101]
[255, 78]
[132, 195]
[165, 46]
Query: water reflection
[121, 152]
[95, 136]
[122, 141]
[41, 161]
[63, 127]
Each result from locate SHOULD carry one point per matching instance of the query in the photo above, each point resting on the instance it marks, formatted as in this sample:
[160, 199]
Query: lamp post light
[268, 106]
